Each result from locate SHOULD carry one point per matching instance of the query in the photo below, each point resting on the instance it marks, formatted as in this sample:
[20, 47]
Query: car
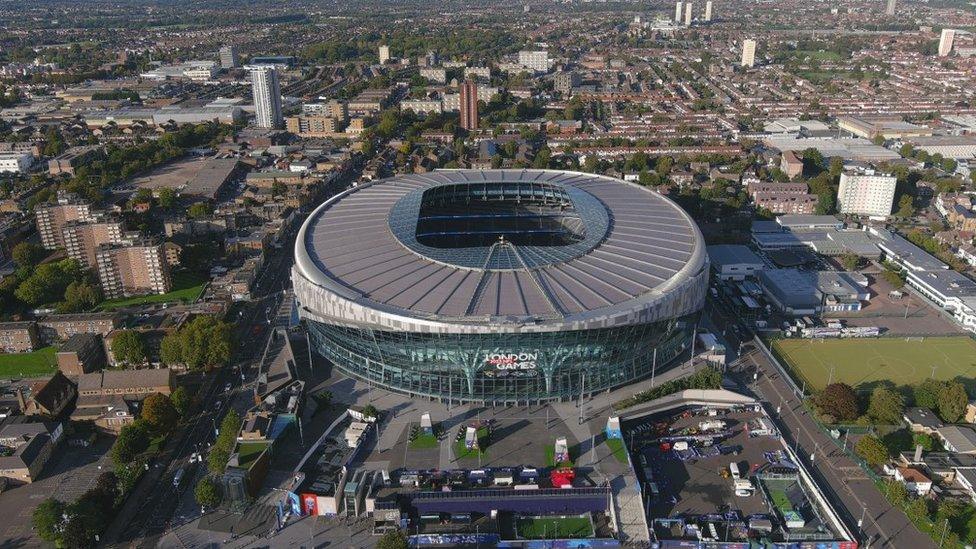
[217, 405]
[227, 387]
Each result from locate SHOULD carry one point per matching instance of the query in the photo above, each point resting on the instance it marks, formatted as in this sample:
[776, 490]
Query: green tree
[48, 282]
[839, 401]
[906, 206]
[207, 492]
[159, 412]
[48, 519]
[886, 406]
[133, 440]
[850, 261]
[198, 210]
[394, 539]
[80, 296]
[27, 254]
[128, 347]
[952, 402]
[167, 198]
[926, 394]
[182, 401]
[872, 450]
[896, 492]
[370, 411]
[496, 161]
[278, 189]
[204, 342]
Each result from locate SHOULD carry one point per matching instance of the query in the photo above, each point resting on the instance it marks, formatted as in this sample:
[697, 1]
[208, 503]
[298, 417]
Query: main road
[150, 508]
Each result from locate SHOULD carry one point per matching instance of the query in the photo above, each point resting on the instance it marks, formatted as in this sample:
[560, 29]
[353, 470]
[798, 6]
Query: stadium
[500, 286]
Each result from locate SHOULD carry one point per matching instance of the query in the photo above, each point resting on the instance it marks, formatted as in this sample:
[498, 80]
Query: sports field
[902, 361]
[554, 527]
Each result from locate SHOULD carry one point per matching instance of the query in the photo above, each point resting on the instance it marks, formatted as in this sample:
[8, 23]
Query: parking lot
[703, 485]
[70, 472]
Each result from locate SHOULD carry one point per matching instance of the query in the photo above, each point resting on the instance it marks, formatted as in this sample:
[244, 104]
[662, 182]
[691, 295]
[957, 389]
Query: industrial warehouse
[500, 286]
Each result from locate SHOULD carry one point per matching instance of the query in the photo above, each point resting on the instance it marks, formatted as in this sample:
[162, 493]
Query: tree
[27, 254]
[128, 347]
[48, 519]
[47, 283]
[886, 406]
[80, 296]
[850, 261]
[496, 161]
[159, 412]
[906, 206]
[871, 450]
[204, 342]
[370, 411]
[394, 539]
[207, 492]
[198, 210]
[896, 492]
[278, 188]
[167, 198]
[926, 394]
[133, 440]
[952, 402]
[839, 401]
[182, 401]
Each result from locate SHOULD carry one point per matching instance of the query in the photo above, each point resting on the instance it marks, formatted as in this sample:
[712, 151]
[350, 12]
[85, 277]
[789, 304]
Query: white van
[734, 470]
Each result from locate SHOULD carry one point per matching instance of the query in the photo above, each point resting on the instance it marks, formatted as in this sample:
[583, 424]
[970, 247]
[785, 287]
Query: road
[852, 493]
[160, 502]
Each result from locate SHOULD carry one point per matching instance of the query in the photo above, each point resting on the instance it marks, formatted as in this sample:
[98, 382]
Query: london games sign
[512, 361]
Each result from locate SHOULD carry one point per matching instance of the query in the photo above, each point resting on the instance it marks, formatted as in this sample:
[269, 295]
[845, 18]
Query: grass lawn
[38, 363]
[618, 448]
[424, 442]
[551, 457]
[862, 361]
[554, 528]
[248, 452]
[187, 287]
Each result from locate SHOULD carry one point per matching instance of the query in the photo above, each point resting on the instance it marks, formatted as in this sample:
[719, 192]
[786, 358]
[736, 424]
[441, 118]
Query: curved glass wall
[515, 368]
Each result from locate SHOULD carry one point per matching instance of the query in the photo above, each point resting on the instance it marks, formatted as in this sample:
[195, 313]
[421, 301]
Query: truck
[734, 470]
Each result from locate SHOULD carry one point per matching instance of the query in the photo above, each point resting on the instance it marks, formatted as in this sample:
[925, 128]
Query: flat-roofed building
[52, 328]
[734, 261]
[51, 218]
[18, 337]
[312, 126]
[134, 268]
[885, 127]
[81, 239]
[334, 109]
[866, 192]
[15, 162]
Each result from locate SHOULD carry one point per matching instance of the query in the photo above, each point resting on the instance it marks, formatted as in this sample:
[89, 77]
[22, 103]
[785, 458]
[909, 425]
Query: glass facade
[516, 368]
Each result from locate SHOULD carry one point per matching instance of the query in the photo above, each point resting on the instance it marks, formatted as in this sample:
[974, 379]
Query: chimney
[21, 401]
[918, 453]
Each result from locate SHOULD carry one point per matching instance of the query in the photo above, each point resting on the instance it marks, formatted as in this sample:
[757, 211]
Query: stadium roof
[607, 245]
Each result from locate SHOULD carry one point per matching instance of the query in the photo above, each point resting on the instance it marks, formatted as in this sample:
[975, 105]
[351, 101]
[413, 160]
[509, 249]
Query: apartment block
[138, 268]
[333, 109]
[865, 192]
[52, 218]
[82, 239]
[312, 126]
